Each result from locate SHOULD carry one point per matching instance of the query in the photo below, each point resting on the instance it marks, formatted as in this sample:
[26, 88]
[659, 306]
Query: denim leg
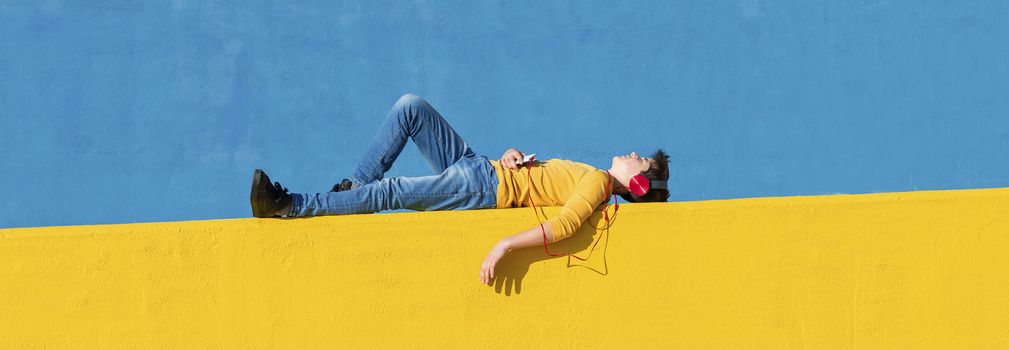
[470, 183]
[411, 117]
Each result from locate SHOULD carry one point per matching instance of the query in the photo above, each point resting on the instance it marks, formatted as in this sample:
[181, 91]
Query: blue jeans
[463, 180]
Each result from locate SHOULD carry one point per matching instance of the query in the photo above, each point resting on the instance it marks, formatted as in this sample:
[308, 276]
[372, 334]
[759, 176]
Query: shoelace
[278, 188]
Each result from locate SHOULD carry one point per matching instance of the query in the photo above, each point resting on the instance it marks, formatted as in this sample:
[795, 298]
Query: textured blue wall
[115, 112]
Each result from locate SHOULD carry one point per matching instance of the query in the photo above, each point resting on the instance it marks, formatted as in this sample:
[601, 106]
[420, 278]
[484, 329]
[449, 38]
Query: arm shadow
[514, 266]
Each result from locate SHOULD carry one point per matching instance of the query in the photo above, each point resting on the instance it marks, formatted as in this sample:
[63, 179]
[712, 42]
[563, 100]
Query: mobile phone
[528, 158]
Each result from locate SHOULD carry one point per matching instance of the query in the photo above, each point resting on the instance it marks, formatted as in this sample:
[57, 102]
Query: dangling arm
[528, 238]
[590, 192]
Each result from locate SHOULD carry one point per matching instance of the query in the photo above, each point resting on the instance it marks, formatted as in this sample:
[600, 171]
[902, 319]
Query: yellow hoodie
[579, 187]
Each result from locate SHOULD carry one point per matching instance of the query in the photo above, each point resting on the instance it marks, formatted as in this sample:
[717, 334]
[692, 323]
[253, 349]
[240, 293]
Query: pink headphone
[640, 185]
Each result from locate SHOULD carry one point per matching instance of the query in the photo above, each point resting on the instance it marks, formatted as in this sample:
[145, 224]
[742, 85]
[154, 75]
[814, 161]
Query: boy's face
[632, 163]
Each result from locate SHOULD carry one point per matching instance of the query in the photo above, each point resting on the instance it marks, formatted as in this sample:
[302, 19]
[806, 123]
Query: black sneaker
[342, 186]
[267, 199]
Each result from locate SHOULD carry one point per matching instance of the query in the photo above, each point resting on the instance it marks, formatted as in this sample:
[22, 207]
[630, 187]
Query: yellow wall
[923, 269]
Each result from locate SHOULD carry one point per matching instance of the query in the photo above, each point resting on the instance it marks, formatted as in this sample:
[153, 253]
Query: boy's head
[654, 168]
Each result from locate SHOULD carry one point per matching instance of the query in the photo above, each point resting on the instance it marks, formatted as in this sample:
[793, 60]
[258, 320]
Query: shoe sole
[257, 178]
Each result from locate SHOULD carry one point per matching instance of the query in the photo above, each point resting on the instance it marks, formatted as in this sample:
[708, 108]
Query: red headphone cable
[616, 207]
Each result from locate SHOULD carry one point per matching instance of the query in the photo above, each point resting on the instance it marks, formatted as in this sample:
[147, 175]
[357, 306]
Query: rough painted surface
[924, 269]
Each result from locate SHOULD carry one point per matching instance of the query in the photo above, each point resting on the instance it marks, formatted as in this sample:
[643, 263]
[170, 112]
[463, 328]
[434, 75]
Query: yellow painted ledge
[895, 270]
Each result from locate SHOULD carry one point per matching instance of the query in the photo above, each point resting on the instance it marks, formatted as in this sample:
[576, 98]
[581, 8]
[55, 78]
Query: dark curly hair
[658, 171]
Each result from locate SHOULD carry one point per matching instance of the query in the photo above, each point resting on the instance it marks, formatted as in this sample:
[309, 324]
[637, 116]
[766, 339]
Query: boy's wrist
[505, 243]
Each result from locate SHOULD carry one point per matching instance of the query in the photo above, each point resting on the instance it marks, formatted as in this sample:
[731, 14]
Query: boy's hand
[487, 269]
[511, 158]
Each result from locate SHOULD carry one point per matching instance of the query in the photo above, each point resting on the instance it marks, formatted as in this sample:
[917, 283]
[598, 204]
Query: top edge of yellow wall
[408, 217]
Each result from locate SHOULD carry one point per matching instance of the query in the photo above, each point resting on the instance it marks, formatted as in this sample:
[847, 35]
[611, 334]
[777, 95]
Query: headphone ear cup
[639, 185]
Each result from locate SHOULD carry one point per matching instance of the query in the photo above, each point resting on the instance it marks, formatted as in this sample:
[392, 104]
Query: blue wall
[115, 112]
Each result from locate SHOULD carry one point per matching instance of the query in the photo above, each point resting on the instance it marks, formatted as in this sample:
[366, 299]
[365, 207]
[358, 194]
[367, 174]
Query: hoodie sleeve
[588, 194]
